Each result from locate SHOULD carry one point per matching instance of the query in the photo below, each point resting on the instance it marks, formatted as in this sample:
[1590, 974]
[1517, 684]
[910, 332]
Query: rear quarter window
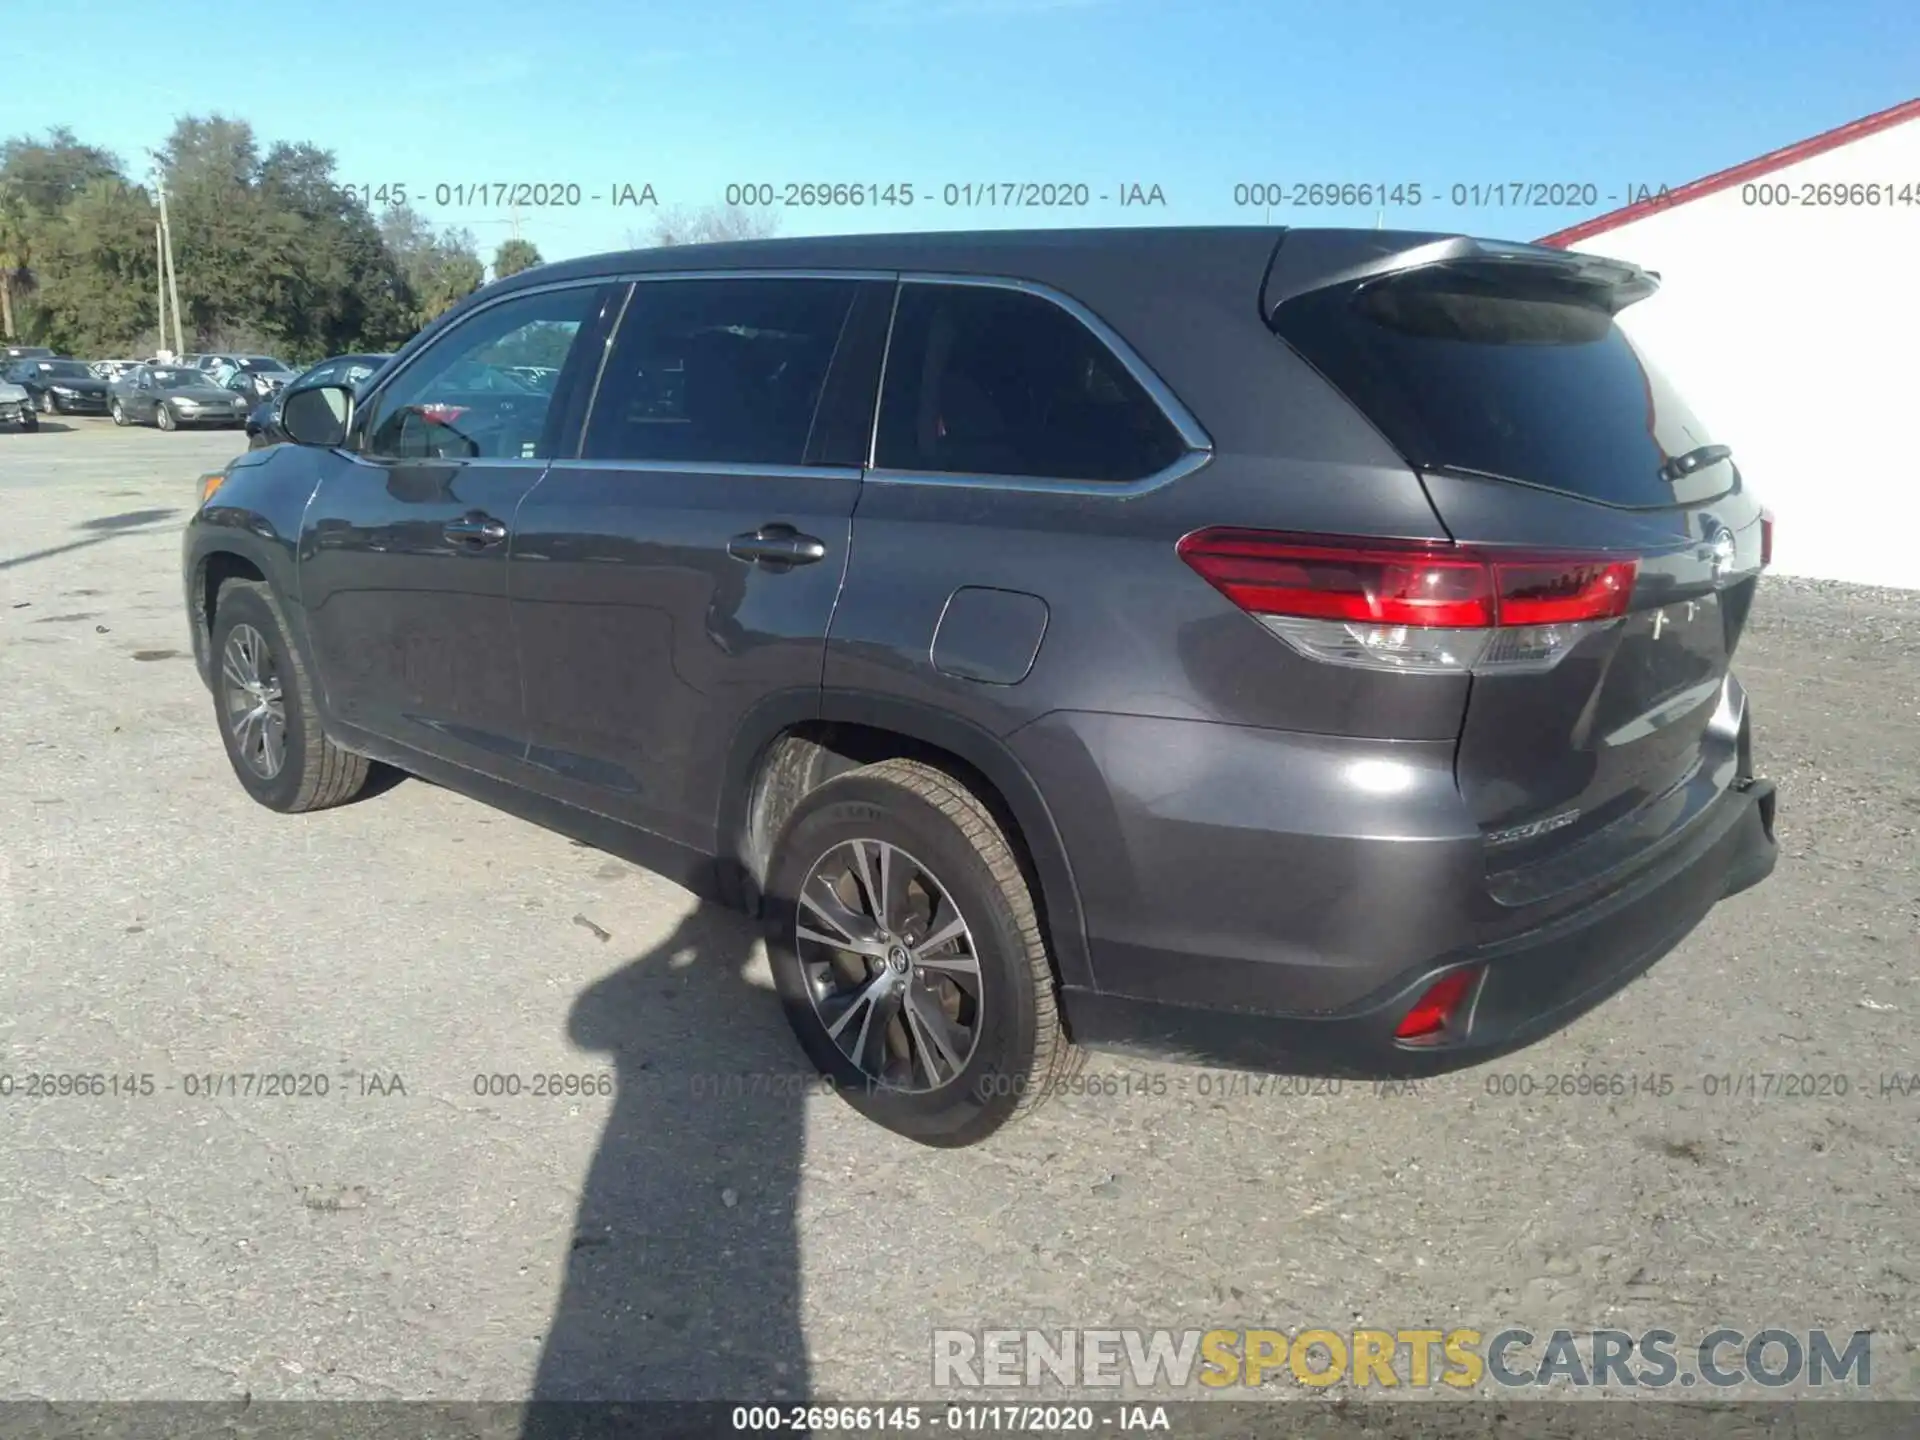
[986, 380]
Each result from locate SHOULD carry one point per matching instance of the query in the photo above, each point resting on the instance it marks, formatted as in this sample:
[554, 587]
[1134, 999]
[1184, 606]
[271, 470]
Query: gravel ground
[405, 1237]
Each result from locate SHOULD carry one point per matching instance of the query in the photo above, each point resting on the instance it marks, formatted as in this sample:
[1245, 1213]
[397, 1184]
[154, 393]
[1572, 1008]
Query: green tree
[49, 170]
[98, 271]
[441, 268]
[39, 177]
[16, 252]
[513, 256]
[272, 252]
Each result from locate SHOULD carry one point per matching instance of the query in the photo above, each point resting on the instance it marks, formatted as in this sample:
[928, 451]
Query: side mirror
[317, 415]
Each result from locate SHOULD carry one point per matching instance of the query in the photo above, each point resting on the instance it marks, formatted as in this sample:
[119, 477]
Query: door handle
[776, 546]
[476, 530]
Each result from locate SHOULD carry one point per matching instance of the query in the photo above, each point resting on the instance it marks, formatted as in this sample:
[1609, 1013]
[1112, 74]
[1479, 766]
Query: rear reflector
[1433, 1012]
[1766, 538]
[1414, 605]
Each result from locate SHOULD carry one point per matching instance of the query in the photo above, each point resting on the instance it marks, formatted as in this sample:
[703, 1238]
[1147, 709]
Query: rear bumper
[1533, 983]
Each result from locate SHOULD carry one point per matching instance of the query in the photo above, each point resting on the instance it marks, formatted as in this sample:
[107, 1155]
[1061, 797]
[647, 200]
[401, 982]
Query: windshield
[178, 379]
[64, 369]
[263, 365]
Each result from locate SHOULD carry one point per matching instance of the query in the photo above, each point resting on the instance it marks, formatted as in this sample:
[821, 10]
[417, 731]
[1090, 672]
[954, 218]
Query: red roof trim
[1738, 174]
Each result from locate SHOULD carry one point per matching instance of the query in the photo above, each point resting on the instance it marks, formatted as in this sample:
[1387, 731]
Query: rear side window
[718, 371]
[983, 380]
[1508, 377]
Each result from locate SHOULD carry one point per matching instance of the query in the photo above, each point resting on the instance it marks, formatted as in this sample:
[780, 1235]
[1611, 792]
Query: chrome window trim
[1194, 435]
[762, 273]
[1191, 432]
[387, 462]
[1186, 465]
[717, 467]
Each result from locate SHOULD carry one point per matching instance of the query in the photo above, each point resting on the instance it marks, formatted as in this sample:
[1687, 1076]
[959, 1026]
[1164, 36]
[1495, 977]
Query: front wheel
[263, 700]
[119, 414]
[908, 955]
[164, 417]
[46, 402]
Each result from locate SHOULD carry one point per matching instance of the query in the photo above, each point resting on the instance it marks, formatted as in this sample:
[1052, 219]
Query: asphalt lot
[406, 1237]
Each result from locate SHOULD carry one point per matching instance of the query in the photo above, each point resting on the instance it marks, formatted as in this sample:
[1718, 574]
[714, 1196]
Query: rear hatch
[1544, 433]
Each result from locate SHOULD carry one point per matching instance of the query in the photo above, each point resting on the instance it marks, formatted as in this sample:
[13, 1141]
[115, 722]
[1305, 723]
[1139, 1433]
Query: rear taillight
[1766, 538]
[1417, 606]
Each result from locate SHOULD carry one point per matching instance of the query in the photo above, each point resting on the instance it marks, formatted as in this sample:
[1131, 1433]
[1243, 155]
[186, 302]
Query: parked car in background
[173, 396]
[223, 364]
[59, 386]
[258, 378]
[16, 407]
[263, 425]
[1295, 650]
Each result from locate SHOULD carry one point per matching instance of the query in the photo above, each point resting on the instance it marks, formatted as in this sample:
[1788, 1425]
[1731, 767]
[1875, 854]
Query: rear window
[1508, 377]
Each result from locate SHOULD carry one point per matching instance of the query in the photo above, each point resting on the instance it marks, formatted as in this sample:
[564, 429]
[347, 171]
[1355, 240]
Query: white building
[1789, 317]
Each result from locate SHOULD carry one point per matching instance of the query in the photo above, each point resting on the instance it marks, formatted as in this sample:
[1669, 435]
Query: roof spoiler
[1307, 260]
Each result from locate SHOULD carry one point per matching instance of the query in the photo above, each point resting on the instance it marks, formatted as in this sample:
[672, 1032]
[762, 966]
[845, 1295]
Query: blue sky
[1195, 98]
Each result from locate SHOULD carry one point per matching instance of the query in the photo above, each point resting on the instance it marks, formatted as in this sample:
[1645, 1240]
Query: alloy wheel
[256, 711]
[890, 966]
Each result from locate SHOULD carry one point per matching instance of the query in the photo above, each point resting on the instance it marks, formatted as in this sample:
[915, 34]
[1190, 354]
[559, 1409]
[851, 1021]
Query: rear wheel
[908, 955]
[163, 416]
[263, 700]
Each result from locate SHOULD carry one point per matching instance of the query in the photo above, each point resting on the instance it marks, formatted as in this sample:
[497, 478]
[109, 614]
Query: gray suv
[1296, 650]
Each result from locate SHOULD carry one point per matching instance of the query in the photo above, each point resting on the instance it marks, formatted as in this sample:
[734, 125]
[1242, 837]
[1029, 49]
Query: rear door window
[989, 380]
[1509, 377]
[718, 371]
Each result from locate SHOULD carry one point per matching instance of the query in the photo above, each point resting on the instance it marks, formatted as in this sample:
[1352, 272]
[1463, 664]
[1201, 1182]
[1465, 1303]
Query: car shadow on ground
[682, 1278]
[107, 527]
[127, 519]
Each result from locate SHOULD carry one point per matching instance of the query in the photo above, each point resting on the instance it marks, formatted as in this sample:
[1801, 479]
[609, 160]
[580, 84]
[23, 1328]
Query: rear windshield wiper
[1681, 466]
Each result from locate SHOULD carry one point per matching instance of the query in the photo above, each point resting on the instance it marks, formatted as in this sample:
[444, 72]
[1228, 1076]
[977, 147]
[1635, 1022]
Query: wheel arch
[234, 548]
[793, 743]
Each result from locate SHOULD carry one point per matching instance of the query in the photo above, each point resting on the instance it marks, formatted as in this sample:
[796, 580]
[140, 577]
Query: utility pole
[173, 275]
[160, 283]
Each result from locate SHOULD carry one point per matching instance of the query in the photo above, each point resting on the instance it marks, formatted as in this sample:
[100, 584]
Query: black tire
[315, 773]
[29, 422]
[46, 402]
[119, 414]
[1019, 1053]
[164, 417]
